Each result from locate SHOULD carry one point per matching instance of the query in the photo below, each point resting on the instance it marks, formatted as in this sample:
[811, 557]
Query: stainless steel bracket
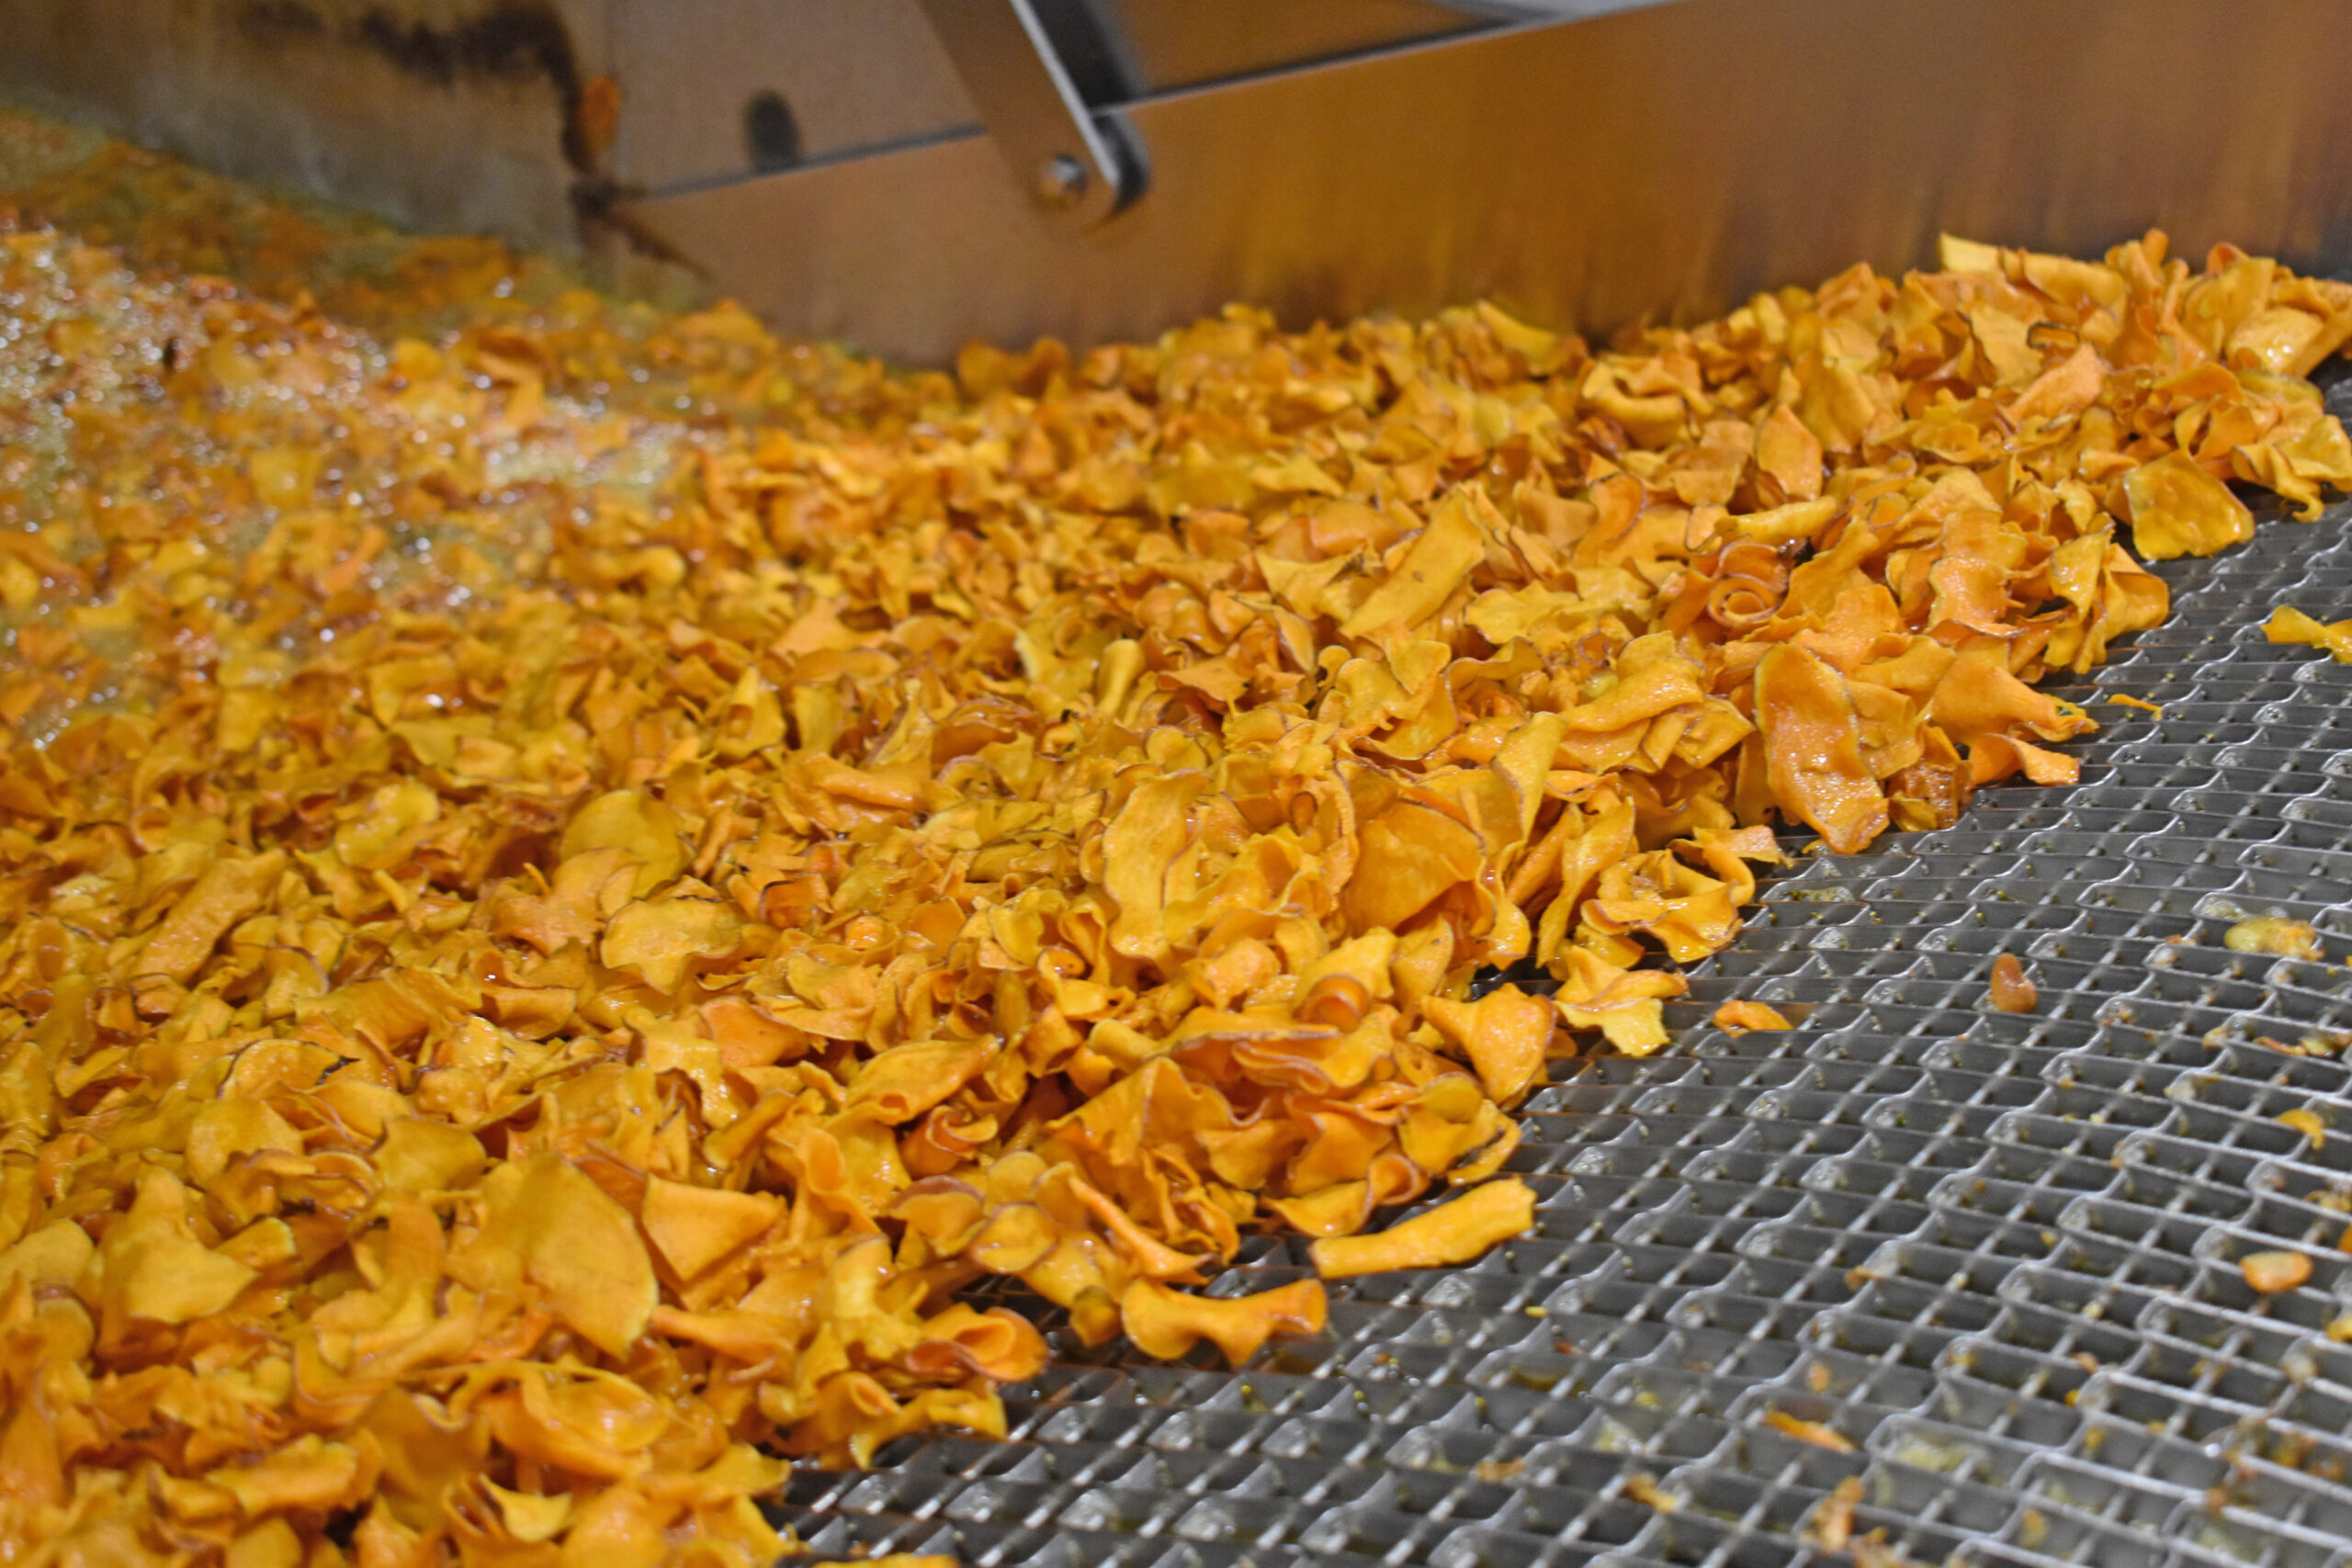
[1079, 163]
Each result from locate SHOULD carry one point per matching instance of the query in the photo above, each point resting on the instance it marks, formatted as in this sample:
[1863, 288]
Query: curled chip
[549, 941]
[1168, 1323]
[2309, 1123]
[1739, 1017]
[2287, 625]
[1454, 1232]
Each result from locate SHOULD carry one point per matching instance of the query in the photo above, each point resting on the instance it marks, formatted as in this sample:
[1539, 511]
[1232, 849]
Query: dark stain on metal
[511, 40]
[271, 19]
[771, 132]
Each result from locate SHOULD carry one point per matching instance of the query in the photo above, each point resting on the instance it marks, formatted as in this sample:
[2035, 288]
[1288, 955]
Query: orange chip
[1505, 1033]
[2291, 625]
[694, 1227]
[2179, 509]
[1813, 749]
[1454, 1232]
[2011, 991]
[1738, 1017]
[1167, 1323]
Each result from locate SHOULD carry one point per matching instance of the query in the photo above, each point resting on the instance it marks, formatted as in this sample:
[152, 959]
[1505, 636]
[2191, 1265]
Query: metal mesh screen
[1996, 1254]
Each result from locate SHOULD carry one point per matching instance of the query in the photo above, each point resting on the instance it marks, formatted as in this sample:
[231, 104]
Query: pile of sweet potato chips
[569, 886]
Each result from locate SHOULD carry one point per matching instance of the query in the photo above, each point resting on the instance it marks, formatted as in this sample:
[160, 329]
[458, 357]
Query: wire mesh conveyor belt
[1995, 1256]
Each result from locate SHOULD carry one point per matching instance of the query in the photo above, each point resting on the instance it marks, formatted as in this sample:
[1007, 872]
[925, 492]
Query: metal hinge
[1028, 65]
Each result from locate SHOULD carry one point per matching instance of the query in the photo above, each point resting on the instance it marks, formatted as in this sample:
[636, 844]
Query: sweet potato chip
[1505, 1033]
[2178, 509]
[658, 938]
[1739, 1017]
[1813, 749]
[694, 1227]
[2307, 1122]
[1454, 1232]
[645, 830]
[154, 1267]
[551, 1230]
[1168, 1323]
[1435, 562]
[2291, 625]
[549, 937]
[2010, 989]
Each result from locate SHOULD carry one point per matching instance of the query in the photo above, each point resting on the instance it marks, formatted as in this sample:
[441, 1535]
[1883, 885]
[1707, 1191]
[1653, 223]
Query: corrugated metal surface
[1996, 1254]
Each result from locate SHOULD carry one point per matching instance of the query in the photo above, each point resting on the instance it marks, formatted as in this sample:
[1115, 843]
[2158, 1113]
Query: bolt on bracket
[1079, 164]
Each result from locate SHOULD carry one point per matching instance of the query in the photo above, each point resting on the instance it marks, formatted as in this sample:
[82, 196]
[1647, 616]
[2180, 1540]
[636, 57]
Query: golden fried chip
[1833, 1516]
[550, 1230]
[2178, 509]
[153, 1266]
[1505, 1033]
[1454, 1232]
[1814, 1432]
[2291, 625]
[1739, 1017]
[2309, 1123]
[1168, 1323]
[1813, 749]
[694, 1227]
